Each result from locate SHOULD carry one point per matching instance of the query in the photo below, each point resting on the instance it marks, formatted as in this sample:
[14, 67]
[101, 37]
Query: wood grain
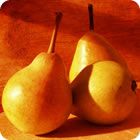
[26, 27]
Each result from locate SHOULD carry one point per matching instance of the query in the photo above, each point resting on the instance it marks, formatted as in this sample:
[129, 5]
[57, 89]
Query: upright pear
[37, 99]
[92, 48]
[104, 93]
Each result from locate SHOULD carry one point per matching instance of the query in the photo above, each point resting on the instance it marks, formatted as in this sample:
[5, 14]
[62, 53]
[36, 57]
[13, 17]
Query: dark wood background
[26, 27]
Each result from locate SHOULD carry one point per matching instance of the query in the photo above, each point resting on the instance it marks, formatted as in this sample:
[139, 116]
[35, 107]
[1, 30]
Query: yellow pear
[37, 99]
[91, 48]
[104, 93]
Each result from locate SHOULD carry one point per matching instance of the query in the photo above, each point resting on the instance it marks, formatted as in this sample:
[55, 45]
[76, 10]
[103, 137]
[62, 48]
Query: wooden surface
[25, 30]
[76, 129]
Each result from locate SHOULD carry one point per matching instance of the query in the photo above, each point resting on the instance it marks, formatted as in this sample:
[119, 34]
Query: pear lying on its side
[37, 99]
[104, 93]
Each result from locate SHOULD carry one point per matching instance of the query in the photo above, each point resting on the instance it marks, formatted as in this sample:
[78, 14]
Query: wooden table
[25, 30]
[77, 129]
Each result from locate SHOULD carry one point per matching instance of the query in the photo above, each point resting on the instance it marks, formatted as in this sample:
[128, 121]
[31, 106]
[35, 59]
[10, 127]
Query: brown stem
[54, 34]
[134, 85]
[91, 18]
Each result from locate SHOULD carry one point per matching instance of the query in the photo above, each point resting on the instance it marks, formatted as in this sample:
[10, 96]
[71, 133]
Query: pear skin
[37, 99]
[103, 93]
[92, 48]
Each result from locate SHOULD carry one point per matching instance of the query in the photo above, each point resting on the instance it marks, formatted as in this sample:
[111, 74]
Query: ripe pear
[91, 48]
[104, 93]
[37, 99]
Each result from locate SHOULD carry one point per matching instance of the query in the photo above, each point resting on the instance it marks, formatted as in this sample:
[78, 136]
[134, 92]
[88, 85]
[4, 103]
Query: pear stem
[91, 17]
[134, 86]
[51, 48]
